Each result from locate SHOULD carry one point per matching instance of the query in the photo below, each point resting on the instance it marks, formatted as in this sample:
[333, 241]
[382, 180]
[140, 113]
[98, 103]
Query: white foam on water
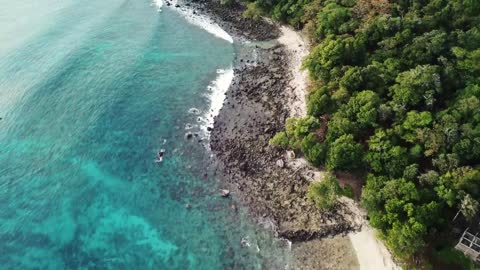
[217, 91]
[158, 4]
[202, 21]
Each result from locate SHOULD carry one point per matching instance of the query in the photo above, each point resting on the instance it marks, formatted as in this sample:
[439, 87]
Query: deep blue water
[89, 92]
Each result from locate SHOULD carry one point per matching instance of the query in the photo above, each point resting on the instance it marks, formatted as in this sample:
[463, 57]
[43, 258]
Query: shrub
[324, 193]
[280, 139]
[314, 151]
[253, 11]
[348, 191]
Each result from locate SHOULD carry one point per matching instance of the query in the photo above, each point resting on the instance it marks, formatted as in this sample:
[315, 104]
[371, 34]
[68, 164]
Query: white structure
[469, 244]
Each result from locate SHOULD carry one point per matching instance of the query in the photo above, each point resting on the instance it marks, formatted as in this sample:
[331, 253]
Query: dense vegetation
[324, 194]
[395, 99]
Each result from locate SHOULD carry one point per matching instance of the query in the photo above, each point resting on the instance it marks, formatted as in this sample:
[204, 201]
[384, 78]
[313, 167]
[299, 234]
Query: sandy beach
[297, 48]
[371, 252]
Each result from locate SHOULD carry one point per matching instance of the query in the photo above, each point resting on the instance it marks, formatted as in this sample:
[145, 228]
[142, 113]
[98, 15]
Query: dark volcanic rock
[240, 141]
[254, 110]
[231, 19]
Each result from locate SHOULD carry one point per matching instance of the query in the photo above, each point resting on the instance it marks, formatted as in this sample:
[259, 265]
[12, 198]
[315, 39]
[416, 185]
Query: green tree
[295, 130]
[352, 80]
[416, 87]
[395, 207]
[362, 109]
[305, 125]
[411, 172]
[429, 178]
[384, 157]
[413, 123]
[314, 151]
[327, 58]
[427, 47]
[446, 162]
[344, 153]
[469, 207]
[319, 102]
[333, 19]
[339, 125]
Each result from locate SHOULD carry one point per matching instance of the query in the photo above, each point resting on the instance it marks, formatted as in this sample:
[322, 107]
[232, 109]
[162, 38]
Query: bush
[253, 11]
[324, 193]
[280, 139]
[348, 192]
[314, 151]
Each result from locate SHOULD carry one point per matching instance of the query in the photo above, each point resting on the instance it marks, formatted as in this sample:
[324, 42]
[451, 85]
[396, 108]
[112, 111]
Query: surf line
[201, 21]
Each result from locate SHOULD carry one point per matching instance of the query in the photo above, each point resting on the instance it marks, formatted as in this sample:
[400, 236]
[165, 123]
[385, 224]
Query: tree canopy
[396, 97]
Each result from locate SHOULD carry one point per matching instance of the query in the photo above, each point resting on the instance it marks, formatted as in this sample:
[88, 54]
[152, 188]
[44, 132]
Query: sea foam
[202, 21]
[158, 4]
[217, 91]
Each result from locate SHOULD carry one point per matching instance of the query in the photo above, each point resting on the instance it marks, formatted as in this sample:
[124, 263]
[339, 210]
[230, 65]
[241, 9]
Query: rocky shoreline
[230, 18]
[266, 179]
[255, 108]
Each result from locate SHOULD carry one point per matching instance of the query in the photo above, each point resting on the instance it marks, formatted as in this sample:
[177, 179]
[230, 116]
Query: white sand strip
[298, 49]
[371, 252]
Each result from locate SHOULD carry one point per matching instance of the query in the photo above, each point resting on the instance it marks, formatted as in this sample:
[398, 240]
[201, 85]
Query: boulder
[291, 154]
[280, 163]
[224, 193]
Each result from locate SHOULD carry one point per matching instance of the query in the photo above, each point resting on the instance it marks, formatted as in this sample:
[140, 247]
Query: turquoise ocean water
[89, 92]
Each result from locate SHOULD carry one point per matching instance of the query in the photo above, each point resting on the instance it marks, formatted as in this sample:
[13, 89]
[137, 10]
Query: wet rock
[224, 193]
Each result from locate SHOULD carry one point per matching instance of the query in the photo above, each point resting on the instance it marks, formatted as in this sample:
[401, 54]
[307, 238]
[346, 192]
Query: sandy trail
[298, 48]
[371, 252]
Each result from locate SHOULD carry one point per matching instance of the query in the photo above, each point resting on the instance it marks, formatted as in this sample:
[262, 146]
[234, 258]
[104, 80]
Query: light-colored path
[371, 252]
[297, 48]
